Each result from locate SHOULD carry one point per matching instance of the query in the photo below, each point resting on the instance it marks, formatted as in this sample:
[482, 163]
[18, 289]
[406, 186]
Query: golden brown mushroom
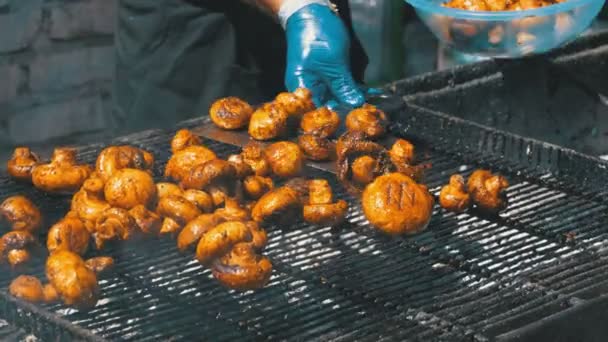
[164, 189]
[230, 113]
[147, 221]
[364, 170]
[243, 169]
[22, 163]
[100, 265]
[68, 234]
[115, 158]
[285, 158]
[402, 156]
[268, 122]
[219, 240]
[369, 120]
[128, 188]
[277, 206]
[259, 237]
[194, 230]
[177, 212]
[322, 122]
[62, 174]
[242, 269]
[256, 186]
[28, 288]
[114, 224]
[21, 213]
[16, 248]
[232, 211]
[321, 210]
[201, 199]
[181, 163]
[488, 191]
[296, 103]
[184, 138]
[253, 154]
[453, 196]
[316, 147]
[396, 204]
[402, 152]
[217, 177]
[360, 160]
[50, 294]
[88, 203]
[74, 282]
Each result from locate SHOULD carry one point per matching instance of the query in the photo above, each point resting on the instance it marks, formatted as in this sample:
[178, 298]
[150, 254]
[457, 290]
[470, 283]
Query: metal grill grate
[468, 277]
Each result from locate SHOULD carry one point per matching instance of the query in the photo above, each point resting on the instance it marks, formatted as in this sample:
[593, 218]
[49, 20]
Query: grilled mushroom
[316, 147]
[488, 191]
[253, 154]
[256, 186]
[181, 163]
[194, 230]
[62, 174]
[218, 177]
[128, 188]
[230, 113]
[177, 212]
[147, 221]
[184, 138]
[22, 163]
[164, 189]
[402, 157]
[201, 199]
[232, 211]
[219, 240]
[114, 224]
[268, 122]
[68, 234]
[21, 214]
[296, 103]
[364, 169]
[321, 210]
[243, 269]
[277, 206]
[74, 282]
[369, 120]
[285, 158]
[243, 169]
[100, 265]
[28, 288]
[322, 122]
[371, 159]
[396, 204]
[16, 248]
[453, 196]
[88, 203]
[115, 158]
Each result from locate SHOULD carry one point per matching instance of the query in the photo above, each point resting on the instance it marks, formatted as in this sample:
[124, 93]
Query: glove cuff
[289, 7]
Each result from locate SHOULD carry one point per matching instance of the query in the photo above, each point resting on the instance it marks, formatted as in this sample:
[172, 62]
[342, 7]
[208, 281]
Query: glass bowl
[507, 34]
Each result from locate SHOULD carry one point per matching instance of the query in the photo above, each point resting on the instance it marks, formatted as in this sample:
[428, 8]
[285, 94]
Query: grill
[561, 98]
[468, 277]
[536, 272]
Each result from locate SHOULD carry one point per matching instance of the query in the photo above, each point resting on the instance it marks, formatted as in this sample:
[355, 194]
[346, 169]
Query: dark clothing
[175, 57]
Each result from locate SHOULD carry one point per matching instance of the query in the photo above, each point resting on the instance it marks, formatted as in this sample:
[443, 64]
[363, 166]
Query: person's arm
[318, 47]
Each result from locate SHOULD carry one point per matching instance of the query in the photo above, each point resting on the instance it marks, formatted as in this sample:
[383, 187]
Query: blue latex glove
[318, 56]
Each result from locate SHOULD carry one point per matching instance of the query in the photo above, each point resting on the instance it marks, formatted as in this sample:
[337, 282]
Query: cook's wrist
[289, 7]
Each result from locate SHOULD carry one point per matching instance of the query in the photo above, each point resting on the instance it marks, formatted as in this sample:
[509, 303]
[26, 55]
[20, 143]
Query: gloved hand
[318, 55]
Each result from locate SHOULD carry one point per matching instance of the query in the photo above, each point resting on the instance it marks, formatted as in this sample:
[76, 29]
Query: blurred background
[56, 64]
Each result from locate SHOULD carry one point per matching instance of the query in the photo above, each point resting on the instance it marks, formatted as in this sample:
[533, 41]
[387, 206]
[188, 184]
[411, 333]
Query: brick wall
[56, 64]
